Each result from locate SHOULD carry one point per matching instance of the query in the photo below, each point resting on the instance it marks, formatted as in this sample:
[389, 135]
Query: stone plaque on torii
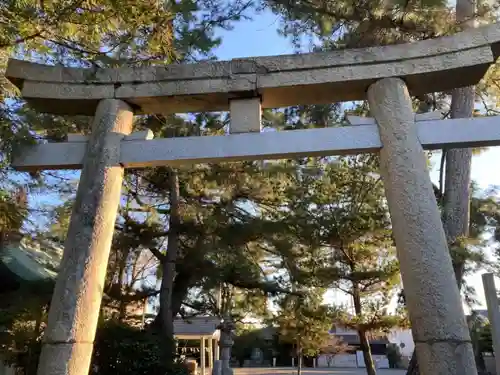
[386, 76]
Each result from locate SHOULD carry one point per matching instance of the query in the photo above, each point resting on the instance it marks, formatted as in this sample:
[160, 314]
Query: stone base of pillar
[222, 368]
[226, 370]
[217, 369]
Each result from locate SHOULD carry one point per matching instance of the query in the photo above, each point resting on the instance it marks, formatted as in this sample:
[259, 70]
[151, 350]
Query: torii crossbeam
[345, 140]
[386, 76]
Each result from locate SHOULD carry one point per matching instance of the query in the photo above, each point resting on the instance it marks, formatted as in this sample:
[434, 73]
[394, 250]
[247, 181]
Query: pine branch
[159, 255]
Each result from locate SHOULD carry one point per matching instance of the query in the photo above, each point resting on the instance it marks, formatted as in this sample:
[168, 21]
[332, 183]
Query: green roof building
[28, 260]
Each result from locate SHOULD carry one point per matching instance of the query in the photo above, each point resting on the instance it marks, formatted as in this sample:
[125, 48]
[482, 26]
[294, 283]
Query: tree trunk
[363, 340]
[183, 281]
[456, 202]
[168, 267]
[32, 363]
[3, 235]
[413, 368]
[367, 353]
[122, 305]
[481, 365]
[122, 311]
[299, 358]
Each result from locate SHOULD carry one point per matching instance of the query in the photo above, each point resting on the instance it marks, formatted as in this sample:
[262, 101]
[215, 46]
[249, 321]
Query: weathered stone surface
[65, 91]
[25, 70]
[245, 115]
[135, 136]
[76, 301]
[433, 299]
[361, 120]
[375, 71]
[65, 359]
[47, 156]
[315, 78]
[446, 358]
[186, 87]
[141, 135]
[77, 138]
[175, 72]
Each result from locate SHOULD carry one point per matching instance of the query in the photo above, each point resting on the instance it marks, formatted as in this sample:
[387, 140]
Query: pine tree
[304, 321]
[338, 211]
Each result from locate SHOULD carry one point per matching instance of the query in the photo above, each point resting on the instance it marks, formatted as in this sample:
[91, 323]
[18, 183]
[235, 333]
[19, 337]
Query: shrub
[394, 356]
[124, 350]
[119, 349]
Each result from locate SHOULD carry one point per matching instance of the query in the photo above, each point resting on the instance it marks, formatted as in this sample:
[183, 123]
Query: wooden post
[202, 356]
[211, 353]
[74, 310]
[216, 349]
[491, 295]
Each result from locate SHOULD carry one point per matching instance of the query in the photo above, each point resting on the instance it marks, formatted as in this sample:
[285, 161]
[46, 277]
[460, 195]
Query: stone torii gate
[386, 76]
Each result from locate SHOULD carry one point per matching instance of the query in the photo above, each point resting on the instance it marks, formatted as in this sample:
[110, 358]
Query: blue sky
[259, 37]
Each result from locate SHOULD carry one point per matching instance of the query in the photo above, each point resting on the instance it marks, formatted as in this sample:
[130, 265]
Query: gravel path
[309, 371]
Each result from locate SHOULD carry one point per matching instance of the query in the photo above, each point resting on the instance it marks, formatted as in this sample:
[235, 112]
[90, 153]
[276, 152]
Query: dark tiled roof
[32, 261]
[196, 326]
[349, 338]
[483, 313]
[353, 339]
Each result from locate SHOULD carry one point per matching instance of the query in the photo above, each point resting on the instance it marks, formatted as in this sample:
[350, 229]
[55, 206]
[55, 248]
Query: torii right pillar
[440, 332]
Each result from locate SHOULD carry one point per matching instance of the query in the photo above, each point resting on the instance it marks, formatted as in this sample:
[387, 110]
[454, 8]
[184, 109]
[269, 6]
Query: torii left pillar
[74, 310]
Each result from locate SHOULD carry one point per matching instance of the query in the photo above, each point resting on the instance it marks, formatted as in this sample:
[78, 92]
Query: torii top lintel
[314, 78]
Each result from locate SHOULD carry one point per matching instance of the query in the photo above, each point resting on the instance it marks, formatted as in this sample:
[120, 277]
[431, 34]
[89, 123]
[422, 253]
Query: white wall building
[404, 339]
[400, 337]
